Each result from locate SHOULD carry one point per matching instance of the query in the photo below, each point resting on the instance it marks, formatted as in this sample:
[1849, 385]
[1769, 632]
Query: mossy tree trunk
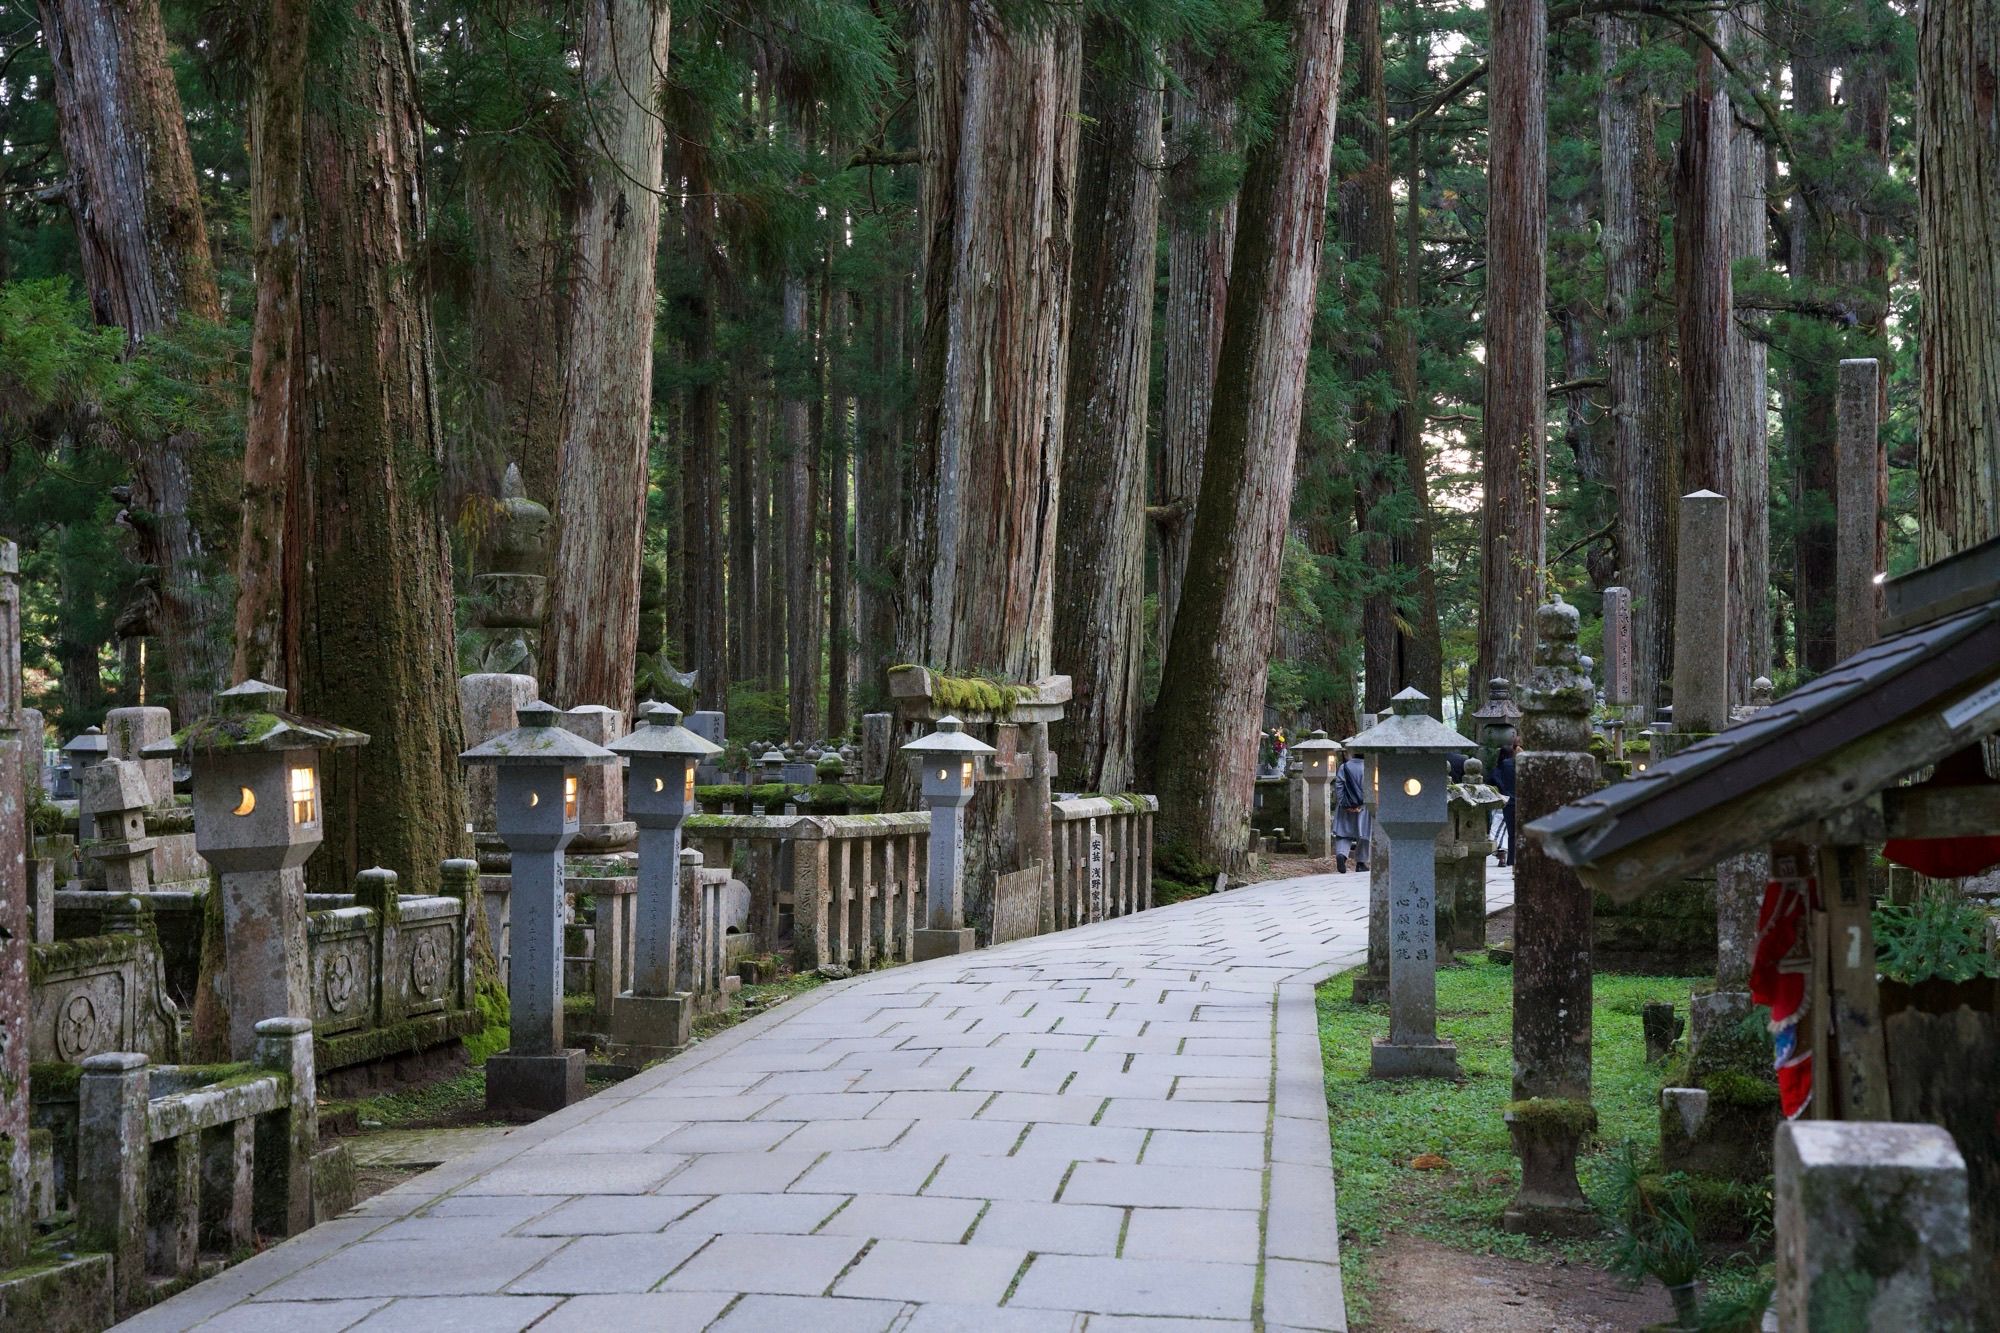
[1212, 687]
[1099, 637]
[377, 639]
[133, 198]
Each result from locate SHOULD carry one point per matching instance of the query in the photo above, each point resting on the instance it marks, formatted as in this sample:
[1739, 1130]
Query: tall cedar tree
[1201, 239]
[270, 571]
[591, 647]
[1517, 224]
[1212, 686]
[1645, 457]
[146, 263]
[1958, 252]
[1400, 644]
[997, 125]
[377, 641]
[1100, 573]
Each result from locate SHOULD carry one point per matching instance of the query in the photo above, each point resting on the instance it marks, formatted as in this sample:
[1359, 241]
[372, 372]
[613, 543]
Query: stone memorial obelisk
[1551, 1112]
[1701, 616]
[1858, 481]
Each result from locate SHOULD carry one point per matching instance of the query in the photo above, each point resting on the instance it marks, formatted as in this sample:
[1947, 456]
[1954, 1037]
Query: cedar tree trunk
[377, 643]
[1212, 687]
[593, 631]
[1101, 566]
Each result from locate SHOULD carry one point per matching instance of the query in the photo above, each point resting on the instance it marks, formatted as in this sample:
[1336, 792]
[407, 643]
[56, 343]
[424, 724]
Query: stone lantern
[1499, 721]
[121, 852]
[90, 747]
[950, 763]
[540, 773]
[659, 796]
[257, 818]
[1317, 758]
[1410, 773]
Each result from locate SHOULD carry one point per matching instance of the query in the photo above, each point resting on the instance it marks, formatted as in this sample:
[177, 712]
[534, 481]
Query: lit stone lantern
[1318, 757]
[1411, 769]
[659, 796]
[257, 818]
[540, 770]
[88, 749]
[950, 762]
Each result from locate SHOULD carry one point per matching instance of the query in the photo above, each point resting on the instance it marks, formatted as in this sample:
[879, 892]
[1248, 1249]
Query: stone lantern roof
[1409, 729]
[949, 739]
[91, 740]
[1315, 742]
[1500, 705]
[538, 741]
[252, 717]
[661, 735]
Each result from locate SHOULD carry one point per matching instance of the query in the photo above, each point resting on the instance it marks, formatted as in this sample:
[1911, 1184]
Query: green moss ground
[1380, 1126]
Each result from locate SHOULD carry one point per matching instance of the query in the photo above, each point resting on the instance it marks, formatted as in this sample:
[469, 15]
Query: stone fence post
[111, 1160]
[287, 1138]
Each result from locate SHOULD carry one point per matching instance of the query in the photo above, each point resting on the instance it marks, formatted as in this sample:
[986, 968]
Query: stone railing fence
[175, 1162]
[757, 849]
[857, 886]
[1103, 852]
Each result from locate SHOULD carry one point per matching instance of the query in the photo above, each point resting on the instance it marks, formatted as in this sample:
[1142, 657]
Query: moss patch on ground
[1381, 1127]
[753, 1000]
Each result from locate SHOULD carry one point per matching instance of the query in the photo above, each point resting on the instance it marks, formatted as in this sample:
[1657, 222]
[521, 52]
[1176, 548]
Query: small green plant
[1654, 1233]
[1941, 936]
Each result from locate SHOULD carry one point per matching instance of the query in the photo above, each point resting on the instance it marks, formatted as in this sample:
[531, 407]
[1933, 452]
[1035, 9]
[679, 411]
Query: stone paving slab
[1112, 1129]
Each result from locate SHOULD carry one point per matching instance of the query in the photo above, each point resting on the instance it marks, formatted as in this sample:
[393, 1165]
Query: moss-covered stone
[1562, 1114]
[971, 694]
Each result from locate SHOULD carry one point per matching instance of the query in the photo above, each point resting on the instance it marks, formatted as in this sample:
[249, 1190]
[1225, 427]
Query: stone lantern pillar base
[1388, 1059]
[539, 1083]
[1547, 1133]
[651, 1027]
[933, 943]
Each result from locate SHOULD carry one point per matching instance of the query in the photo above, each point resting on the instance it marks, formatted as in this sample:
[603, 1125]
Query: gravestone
[128, 731]
[1619, 689]
[1857, 508]
[1551, 1112]
[601, 825]
[488, 704]
[1701, 615]
[713, 727]
[1873, 1228]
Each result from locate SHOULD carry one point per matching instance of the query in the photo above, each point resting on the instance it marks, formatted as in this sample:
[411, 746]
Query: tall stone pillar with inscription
[15, 1219]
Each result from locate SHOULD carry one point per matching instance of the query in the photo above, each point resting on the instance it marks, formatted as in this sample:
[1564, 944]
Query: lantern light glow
[1412, 787]
[248, 802]
[305, 802]
[569, 796]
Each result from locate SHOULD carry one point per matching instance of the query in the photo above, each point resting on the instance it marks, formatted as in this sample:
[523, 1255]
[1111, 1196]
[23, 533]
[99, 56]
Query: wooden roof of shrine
[1825, 755]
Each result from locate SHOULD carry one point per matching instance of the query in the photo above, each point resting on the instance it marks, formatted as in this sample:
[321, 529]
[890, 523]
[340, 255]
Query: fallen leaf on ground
[1429, 1161]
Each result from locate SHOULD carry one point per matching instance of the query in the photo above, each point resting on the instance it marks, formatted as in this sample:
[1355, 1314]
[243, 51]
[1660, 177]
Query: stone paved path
[1113, 1128]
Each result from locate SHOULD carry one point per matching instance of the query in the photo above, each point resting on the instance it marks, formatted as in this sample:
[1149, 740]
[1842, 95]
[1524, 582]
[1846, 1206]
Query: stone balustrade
[856, 885]
[1103, 850]
[175, 1162]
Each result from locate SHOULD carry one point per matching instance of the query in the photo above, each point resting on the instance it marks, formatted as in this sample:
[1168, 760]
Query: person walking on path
[1350, 815]
[1503, 778]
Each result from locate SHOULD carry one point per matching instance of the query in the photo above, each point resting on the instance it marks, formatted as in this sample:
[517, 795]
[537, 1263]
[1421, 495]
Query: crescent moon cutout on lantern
[247, 804]
[534, 798]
